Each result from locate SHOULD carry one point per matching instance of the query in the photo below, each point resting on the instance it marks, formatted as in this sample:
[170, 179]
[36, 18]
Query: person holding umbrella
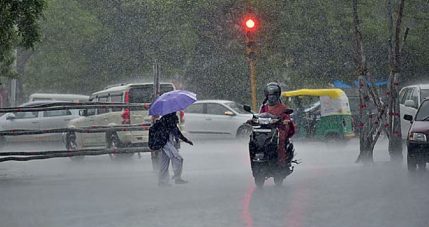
[166, 106]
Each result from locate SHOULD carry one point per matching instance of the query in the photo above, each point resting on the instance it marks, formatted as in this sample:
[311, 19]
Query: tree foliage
[18, 27]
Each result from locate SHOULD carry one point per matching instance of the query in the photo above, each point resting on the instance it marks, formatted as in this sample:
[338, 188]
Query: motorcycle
[263, 144]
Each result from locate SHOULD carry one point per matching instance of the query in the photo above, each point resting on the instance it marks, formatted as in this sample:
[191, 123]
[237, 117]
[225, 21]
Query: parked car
[58, 97]
[38, 120]
[410, 98]
[126, 93]
[216, 119]
[417, 138]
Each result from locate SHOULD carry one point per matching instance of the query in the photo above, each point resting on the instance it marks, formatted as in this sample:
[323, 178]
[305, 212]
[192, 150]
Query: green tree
[62, 61]
[18, 27]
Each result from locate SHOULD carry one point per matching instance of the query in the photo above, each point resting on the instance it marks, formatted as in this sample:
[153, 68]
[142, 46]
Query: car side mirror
[410, 103]
[229, 113]
[408, 117]
[247, 108]
[10, 116]
[288, 111]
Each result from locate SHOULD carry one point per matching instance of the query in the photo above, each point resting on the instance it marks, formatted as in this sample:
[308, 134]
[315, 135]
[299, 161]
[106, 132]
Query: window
[216, 109]
[56, 113]
[144, 94]
[195, 108]
[407, 95]
[103, 110]
[423, 114]
[116, 99]
[90, 112]
[165, 88]
[26, 115]
[236, 107]
[424, 93]
[401, 96]
[415, 96]
[141, 94]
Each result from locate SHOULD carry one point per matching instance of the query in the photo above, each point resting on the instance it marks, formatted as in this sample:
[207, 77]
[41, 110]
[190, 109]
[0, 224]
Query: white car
[58, 97]
[38, 120]
[216, 119]
[410, 98]
[139, 93]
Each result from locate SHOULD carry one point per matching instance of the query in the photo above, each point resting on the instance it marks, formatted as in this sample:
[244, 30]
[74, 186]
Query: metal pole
[156, 86]
[156, 92]
[251, 58]
[252, 67]
[13, 81]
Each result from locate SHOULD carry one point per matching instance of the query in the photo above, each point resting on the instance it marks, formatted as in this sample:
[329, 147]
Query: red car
[417, 139]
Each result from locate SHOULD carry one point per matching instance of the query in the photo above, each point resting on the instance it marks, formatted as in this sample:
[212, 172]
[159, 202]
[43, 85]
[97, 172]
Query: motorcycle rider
[273, 105]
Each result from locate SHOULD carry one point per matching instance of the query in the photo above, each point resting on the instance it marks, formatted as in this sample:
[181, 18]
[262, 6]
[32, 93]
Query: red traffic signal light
[250, 23]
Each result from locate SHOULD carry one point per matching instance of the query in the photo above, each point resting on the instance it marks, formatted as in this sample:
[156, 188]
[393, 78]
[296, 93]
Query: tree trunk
[395, 140]
[366, 153]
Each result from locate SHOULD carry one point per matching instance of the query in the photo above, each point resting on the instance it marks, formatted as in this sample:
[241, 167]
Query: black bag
[158, 136]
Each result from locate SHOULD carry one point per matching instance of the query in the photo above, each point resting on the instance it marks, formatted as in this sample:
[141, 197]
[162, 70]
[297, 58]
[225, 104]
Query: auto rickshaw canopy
[333, 93]
[332, 101]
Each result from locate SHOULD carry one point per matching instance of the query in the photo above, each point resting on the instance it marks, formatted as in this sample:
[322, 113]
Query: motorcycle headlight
[418, 137]
[267, 121]
[259, 155]
[264, 121]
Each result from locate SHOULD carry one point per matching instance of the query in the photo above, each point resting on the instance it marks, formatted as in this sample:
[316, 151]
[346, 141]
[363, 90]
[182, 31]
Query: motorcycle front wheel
[259, 181]
[278, 180]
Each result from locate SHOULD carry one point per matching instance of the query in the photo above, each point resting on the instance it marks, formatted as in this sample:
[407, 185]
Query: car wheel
[71, 146]
[411, 163]
[114, 143]
[244, 132]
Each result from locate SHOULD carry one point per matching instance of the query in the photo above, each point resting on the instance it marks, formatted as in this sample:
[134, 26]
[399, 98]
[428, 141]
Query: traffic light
[250, 25]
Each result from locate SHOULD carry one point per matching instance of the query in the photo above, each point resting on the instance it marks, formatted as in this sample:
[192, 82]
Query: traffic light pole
[251, 59]
[252, 69]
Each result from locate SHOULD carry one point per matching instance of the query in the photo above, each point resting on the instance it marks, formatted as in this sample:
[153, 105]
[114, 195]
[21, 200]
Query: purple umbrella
[172, 101]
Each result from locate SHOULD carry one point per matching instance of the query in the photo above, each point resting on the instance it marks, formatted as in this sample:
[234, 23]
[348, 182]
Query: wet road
[327, 189]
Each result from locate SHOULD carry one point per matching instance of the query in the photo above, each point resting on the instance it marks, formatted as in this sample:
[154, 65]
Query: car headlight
[418, 137]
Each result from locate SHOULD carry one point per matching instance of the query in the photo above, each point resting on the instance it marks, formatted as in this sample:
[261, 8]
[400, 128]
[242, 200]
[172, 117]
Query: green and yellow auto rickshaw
[328, 118]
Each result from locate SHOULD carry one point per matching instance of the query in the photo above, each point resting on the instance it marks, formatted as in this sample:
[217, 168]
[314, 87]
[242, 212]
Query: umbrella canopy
[172, 101]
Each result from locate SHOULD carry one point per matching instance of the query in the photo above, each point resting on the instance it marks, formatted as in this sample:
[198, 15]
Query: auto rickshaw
[329, 118]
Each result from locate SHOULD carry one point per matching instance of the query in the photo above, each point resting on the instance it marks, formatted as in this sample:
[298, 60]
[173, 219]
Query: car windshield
[423, 114]
[424, 93]
[236, 107]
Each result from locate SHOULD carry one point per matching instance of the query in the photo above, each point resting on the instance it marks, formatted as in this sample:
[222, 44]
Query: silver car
[38, 120]
[207, 119]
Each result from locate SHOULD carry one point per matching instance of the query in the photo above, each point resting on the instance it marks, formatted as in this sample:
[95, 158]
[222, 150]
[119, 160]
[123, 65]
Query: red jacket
[278, 110]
